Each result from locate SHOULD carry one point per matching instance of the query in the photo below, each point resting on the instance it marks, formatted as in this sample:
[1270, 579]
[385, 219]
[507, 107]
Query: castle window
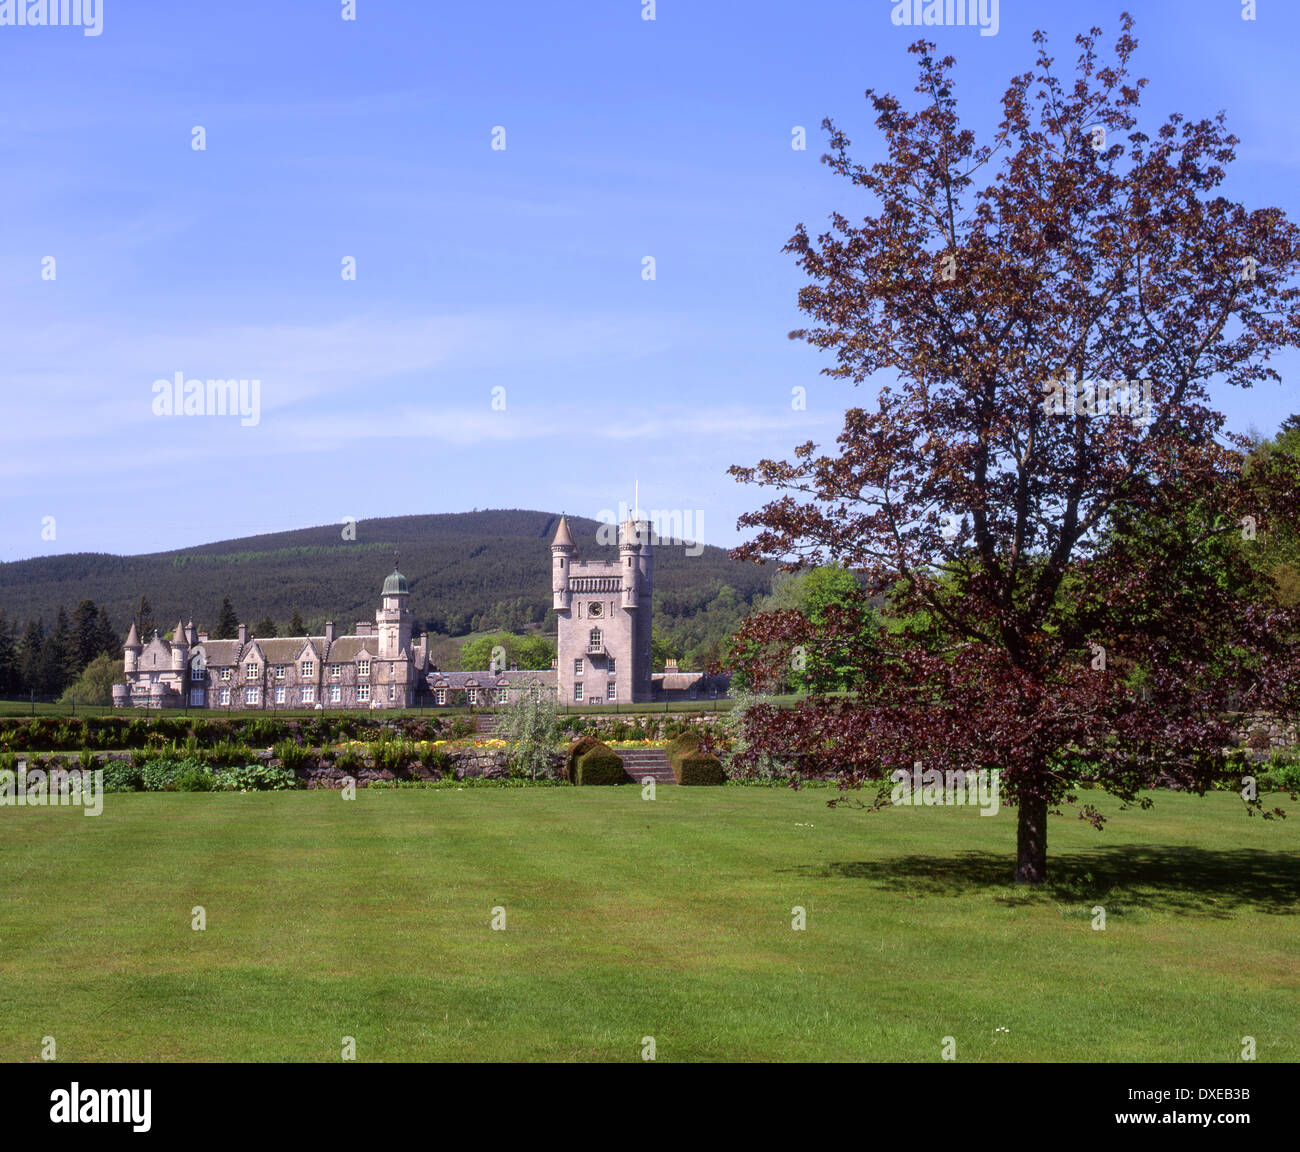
[251, 695]
[308, 669]
[336, 694]
[363, 693]
[577, 666]
[471, 694]
[251, 671]
[279, 671]
[594, 641]
[279, 695]
[225, 673]
[503, 695]
[334, 669]
[392, 692]
[577, 693]
[197, 672]
[610, 669]
[440, 695]
[363, 667]
[611, 691]
[309, 693]
[196, 697]
[225, 697]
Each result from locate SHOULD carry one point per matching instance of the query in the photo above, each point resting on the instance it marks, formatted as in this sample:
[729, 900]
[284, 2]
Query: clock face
[595, 609]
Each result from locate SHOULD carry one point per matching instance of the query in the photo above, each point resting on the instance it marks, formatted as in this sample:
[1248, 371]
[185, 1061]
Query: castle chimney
[329, 631]
[670, 665]
[243, 634]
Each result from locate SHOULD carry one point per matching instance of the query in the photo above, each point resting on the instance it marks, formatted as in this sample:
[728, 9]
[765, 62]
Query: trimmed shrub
[600, 765]
[687, 740]
[699, 768]
[578, 748]
[691, 765]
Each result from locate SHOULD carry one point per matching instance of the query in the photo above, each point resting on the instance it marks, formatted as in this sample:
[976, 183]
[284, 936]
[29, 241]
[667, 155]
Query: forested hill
[467, 571]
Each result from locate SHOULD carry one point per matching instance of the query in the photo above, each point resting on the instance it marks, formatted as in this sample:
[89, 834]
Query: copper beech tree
[1043, 488]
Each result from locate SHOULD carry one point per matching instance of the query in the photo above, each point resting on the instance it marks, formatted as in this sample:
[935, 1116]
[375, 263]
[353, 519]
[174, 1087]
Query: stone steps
[642, 762]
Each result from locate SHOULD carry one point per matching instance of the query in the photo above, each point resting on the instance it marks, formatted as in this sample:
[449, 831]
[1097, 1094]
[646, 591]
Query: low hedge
[693, 766]
[106, 733]
[600, 765]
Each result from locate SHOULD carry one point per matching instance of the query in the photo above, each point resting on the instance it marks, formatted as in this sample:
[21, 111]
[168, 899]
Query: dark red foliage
[1080, 592]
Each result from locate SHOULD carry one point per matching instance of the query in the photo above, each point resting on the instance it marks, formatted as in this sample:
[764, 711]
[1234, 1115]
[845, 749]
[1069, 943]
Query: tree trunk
[1031, 841]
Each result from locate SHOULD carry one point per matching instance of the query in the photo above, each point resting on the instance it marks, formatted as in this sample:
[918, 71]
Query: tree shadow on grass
[1184, 881]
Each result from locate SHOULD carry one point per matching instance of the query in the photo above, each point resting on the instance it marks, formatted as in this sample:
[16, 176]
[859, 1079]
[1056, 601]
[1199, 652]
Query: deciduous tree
[1069, 540]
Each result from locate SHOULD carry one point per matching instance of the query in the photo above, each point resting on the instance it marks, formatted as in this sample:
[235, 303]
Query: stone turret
[393, 618]
[180, 647]
[131, 649]
[629, 547]
[636, 557]
[562, 554]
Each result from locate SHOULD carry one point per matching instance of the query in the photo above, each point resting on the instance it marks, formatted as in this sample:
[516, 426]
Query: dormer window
[363, 667]
[308, 669]
[251, 670]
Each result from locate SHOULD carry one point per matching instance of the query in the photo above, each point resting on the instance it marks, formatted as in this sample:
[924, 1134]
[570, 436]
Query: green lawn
[629, 918]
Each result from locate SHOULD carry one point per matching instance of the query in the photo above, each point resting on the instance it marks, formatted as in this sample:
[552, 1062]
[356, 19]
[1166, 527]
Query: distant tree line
[470, 573]
[46, 660]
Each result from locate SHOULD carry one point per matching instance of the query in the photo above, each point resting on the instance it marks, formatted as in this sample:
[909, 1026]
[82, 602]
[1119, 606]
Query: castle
[603, 652]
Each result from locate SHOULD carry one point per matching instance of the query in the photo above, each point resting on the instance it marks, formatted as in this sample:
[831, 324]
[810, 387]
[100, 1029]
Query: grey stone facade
[377, 666]
[603, 611]
[603, 644]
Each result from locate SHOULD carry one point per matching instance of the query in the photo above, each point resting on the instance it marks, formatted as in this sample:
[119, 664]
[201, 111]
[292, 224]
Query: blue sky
[476, 269]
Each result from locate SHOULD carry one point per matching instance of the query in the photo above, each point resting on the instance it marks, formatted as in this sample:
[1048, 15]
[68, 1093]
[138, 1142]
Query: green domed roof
[395, 585]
